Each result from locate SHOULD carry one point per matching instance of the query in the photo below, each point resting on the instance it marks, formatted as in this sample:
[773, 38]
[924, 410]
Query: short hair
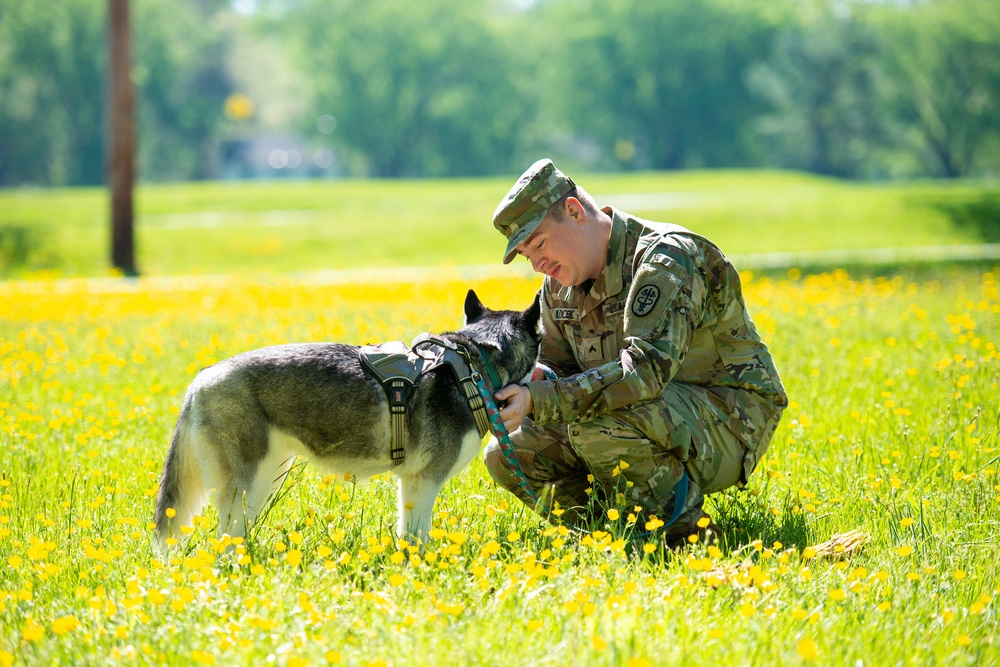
[581, 195]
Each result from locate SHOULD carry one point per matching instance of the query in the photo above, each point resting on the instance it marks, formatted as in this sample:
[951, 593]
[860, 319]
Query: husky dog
[245, 419]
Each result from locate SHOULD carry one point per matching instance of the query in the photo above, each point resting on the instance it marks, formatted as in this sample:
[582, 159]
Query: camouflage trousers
[638, 452]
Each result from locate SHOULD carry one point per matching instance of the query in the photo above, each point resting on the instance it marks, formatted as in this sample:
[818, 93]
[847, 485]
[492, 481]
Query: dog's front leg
[417, 494]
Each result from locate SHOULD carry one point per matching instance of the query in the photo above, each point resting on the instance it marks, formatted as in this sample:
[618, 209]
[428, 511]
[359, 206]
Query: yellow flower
[64, 624]
[32, 632]
[333, 657]
[599, 644]
[203, 658]
[807, 649]
[613, 514]
[294, 557]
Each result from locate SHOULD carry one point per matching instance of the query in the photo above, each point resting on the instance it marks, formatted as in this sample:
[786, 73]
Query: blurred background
[267, 130]
[250, 89]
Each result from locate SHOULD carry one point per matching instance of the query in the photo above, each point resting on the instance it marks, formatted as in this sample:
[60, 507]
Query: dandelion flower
[64, 624]
[807, 649]
[202, 658]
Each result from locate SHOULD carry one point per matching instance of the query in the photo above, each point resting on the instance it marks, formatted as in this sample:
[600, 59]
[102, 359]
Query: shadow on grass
[743, 517]
[979, 214]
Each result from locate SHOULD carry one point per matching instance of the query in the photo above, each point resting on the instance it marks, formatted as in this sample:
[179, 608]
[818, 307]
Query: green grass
[892, 431]
[282, 226]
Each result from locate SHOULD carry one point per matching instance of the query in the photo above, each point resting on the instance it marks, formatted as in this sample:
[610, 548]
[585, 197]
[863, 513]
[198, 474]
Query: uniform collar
[610, 280]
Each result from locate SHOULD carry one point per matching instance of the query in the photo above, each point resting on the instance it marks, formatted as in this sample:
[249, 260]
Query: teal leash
[499, 430]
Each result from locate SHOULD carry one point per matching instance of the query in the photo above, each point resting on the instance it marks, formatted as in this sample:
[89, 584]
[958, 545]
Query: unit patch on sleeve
[645, 300]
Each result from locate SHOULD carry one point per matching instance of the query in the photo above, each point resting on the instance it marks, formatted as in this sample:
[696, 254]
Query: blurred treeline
[388, 88]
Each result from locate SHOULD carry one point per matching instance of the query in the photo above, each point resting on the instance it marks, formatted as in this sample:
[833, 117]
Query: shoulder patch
[645, 300]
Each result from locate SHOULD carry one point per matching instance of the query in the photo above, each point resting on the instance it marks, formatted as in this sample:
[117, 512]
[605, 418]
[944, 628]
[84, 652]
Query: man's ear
[574, 210]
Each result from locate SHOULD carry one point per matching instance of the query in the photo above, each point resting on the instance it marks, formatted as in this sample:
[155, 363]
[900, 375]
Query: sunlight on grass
[892, 431]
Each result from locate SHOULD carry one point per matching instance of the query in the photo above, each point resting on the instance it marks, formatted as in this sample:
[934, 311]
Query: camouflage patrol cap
[522, 210]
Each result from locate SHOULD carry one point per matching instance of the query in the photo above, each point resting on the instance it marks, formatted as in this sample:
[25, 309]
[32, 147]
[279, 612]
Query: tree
[661, 82]
[416, 88]
[52, 66]
[121, 136]
[822, 83]
[944, 56]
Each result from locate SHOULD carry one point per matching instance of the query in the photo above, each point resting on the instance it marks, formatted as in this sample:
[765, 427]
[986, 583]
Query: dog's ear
[474, 308]
[533, 314]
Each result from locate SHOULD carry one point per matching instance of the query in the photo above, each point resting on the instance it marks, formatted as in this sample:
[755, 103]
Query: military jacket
[668, 307]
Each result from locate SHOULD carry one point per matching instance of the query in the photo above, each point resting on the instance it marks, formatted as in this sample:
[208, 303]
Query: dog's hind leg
[416, 496]
[241, 502]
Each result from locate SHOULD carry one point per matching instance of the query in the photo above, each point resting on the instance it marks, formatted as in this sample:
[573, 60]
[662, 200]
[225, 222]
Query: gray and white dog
[245, 419]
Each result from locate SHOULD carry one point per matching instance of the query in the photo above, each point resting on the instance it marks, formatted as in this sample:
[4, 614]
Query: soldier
[660, 390]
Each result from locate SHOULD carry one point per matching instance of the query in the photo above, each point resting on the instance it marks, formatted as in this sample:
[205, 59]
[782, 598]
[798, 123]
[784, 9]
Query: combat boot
[693, 520]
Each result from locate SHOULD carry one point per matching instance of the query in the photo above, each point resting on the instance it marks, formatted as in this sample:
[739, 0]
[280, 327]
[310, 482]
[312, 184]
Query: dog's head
[510, 339]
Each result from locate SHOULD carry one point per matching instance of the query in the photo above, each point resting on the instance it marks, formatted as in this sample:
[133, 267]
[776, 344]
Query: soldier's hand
[519, 405]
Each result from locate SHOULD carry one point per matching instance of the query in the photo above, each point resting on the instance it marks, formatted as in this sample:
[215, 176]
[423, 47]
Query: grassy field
[893, 432]
[892, 437]
[249, 228]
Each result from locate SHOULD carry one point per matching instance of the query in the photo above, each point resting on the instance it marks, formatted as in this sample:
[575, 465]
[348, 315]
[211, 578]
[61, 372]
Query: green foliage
[658, 84]
[51, 92]
[851, 88]
[943, 59]
[52, 89]
[822, 84]
[416, 88]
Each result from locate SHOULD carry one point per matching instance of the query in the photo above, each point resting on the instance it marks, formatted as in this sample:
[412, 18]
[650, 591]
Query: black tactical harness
[398, 368]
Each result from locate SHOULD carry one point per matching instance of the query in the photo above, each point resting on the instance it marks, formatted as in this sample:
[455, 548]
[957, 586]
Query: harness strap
[398, 393]
[457, 358]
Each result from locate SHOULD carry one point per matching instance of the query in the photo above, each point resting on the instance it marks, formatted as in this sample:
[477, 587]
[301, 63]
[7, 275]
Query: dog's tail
[182, 491]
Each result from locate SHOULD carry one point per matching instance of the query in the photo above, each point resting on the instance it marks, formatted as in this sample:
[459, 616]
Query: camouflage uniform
[659, 366]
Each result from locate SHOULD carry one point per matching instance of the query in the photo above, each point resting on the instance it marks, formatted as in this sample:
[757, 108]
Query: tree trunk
[121, 137]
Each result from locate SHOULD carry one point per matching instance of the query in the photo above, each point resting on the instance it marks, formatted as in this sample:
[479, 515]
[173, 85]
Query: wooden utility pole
[121, 137]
